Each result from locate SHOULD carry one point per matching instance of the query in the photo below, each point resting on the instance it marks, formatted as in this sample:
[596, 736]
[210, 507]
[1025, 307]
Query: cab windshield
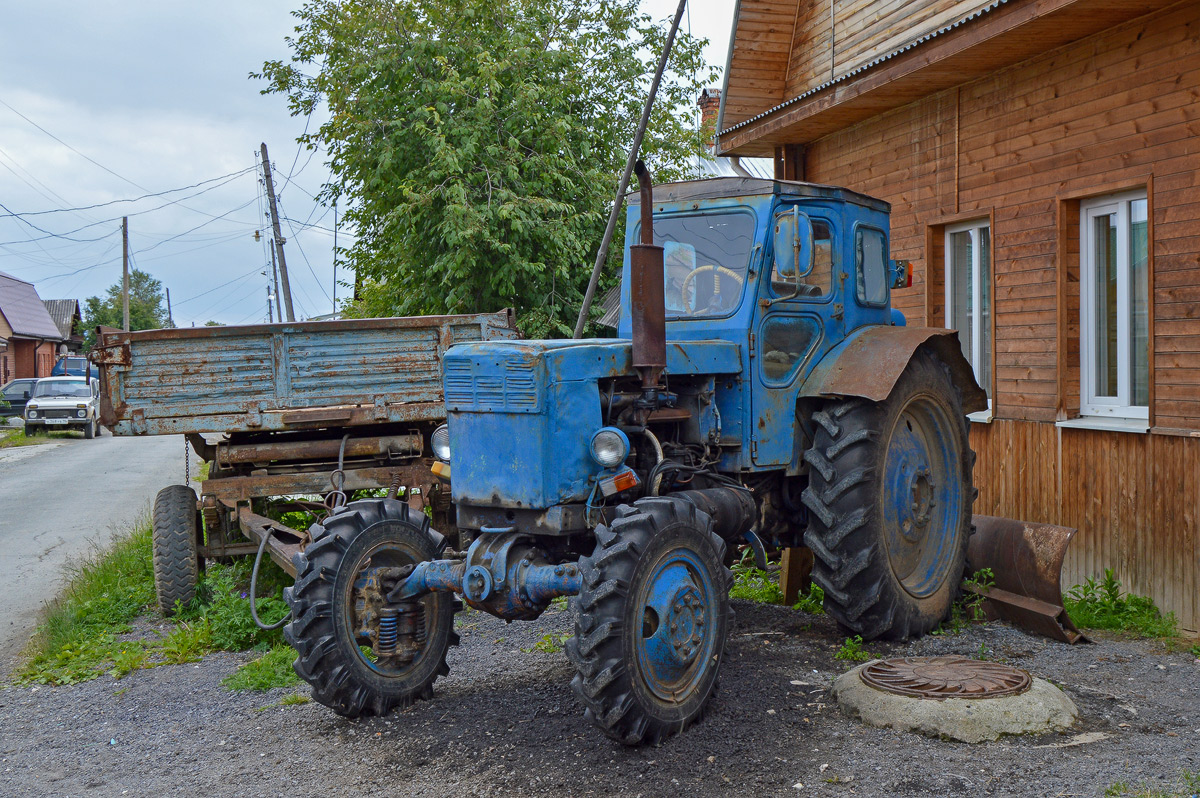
[68, 388]
[705, 261]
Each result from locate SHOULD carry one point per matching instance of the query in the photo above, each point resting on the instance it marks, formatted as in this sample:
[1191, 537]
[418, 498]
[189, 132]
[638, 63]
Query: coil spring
[389, 632]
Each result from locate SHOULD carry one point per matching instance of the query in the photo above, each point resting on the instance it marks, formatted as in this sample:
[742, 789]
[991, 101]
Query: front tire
[174, 535]
[89, 431]
[651, 621]
[328, 610]
[890, 496]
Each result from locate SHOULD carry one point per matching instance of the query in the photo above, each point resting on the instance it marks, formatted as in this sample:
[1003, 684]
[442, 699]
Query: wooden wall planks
[1115, 111]
[1135, 500]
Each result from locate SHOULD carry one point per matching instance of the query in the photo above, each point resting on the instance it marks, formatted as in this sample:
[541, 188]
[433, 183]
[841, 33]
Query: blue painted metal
[921, 497]
[521, 413]
[502, 574]
[275, 377]
[675, 609]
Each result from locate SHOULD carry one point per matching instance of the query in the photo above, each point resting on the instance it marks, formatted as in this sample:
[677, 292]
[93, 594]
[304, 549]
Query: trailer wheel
[173, 545]
[890, 497]
[650, 621]
[329, 610]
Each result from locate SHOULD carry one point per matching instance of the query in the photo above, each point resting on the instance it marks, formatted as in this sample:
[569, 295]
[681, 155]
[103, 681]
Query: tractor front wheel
[650, 621]
[335, 604]
[890, 496]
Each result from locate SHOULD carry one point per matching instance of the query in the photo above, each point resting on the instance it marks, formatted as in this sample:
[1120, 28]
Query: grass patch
[1101, 605]
[751, 583]
[293, 700]
[1187, 786]
[549, 644]
[80, 638]
[852, 650]
[814, 602]
[271, 670]
[17, 437]
[968, 608]
[105, 593]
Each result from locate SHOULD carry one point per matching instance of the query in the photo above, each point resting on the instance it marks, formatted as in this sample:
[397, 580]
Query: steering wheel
[714, 303]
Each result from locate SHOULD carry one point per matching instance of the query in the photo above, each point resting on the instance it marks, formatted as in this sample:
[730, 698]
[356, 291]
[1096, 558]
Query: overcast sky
[104, 101]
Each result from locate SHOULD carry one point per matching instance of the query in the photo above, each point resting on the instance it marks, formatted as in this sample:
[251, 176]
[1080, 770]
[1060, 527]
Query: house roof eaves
[858, 70]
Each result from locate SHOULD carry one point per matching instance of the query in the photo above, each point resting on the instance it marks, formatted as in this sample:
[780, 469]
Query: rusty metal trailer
[282, 410]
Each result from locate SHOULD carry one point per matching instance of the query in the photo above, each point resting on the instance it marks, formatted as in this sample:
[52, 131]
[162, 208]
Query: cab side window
[817, 282]
[870, 255]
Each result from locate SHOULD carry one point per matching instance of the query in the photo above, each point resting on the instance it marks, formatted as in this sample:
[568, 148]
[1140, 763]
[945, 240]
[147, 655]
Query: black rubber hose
[262, 546]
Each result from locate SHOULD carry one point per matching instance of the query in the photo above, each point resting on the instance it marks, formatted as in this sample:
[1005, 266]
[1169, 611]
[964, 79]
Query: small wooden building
[29, 334]
[1042, 158]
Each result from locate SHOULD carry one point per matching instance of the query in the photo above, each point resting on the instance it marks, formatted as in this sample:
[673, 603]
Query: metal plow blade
[1026, 562]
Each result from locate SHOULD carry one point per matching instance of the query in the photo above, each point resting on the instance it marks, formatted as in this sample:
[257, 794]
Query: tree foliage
[477, 143]
[146, 311]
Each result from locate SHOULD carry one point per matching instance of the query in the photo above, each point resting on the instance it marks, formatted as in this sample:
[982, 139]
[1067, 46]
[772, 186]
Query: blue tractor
[761, 391]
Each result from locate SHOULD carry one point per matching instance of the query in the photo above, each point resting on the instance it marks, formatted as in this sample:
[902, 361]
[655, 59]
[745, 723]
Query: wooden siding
[1023, 147]
[1135, 500]
[758, 61]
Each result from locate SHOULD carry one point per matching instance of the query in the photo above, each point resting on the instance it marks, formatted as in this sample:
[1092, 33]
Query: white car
[64, 403]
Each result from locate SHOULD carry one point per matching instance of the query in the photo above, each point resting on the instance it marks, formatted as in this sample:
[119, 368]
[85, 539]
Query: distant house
[1042, 162]
[29, 335]
[69, 320]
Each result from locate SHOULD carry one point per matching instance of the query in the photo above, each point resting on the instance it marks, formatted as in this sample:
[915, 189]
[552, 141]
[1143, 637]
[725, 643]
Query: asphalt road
[57, 502]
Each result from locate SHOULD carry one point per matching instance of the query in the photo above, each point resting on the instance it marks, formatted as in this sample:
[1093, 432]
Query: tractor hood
[521, 413]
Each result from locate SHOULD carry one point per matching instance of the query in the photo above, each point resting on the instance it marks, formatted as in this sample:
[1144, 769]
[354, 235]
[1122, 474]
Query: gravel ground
[506, 723]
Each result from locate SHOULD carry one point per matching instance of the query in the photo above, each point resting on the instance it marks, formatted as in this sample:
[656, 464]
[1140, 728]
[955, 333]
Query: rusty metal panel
[282, 376]
[870, 361]
[1026, 564]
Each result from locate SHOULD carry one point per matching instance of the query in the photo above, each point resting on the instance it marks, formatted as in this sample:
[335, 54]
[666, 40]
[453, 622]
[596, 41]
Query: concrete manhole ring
[945, 677]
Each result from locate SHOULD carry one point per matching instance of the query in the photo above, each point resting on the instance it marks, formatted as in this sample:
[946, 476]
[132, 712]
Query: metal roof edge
[979, 12]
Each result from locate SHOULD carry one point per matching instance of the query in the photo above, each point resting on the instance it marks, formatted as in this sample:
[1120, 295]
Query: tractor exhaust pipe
[648, 305]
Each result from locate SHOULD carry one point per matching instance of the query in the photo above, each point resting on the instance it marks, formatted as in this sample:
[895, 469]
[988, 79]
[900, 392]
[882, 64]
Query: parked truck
[282, 410]
[761, 391]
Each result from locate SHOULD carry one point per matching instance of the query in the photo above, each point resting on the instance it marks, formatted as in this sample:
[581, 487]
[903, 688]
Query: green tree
[146, 311]
[477, 143]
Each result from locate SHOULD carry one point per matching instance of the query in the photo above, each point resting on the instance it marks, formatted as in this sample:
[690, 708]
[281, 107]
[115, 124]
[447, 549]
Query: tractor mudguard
[871, 359]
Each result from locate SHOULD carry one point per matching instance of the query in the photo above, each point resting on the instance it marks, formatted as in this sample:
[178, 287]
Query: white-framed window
[1114, 306]
[969, 298]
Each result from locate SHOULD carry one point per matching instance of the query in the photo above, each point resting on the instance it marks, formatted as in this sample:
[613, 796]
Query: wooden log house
[1042, 158]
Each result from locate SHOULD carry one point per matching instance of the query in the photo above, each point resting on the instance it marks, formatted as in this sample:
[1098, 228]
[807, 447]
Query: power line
[229, 176]
[72, 149]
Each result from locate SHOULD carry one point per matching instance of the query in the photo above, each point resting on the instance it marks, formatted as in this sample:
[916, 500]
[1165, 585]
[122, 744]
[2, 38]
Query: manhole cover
[945, 677]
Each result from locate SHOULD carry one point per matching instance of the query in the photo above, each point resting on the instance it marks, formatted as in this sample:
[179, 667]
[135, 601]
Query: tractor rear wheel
[174, 536]
[650, 621]
[890, 496]
[335, 622]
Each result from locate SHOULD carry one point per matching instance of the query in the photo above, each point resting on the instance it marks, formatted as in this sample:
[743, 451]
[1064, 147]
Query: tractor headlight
[609, 447]
[440, 442]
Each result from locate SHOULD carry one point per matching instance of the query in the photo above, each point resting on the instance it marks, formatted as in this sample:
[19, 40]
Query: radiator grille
[514, 389]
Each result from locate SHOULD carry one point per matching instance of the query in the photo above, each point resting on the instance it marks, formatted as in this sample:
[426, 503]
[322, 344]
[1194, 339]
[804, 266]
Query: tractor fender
[871, 359]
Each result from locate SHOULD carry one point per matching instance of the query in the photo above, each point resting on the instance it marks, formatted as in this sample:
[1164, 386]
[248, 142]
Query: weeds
[852, 650]
[1187, 787]
[1100, 605]
[1195, 651]
[549, 644]
[18, 438]
[80, 636]
[754, 584]
[271, 670]
[968, 608]
[814, 602]
[77, 640]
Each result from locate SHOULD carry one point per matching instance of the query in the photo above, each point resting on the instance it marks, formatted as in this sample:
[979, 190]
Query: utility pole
[335, 257]
[287, 288]
[125, 269]
[170, 319]
[270, 310]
